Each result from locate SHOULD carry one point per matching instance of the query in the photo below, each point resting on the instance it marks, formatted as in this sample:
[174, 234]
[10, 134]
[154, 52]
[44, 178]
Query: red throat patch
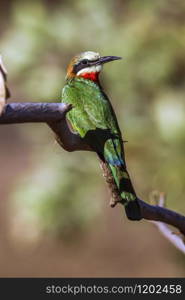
[92, 76]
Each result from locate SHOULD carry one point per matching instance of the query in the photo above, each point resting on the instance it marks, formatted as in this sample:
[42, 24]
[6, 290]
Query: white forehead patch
[90, 55]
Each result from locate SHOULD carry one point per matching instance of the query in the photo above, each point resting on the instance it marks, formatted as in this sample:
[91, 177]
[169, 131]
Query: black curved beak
[106, 59]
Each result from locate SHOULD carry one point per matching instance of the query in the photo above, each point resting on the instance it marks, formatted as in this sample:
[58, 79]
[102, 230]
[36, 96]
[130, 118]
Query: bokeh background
[55, 218]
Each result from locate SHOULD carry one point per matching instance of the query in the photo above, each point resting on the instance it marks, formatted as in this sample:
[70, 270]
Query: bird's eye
[84, 61]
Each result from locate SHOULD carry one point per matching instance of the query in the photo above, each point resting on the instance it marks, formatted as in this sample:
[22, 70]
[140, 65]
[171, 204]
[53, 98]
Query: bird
[93, 118]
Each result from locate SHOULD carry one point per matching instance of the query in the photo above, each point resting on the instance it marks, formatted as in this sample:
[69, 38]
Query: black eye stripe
[87, 61]
[84, 63]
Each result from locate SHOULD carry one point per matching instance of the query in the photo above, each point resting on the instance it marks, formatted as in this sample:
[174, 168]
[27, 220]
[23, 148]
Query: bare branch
[162, 214]
[33, 112]
[149, 212]
[53, 114]
[176, 238]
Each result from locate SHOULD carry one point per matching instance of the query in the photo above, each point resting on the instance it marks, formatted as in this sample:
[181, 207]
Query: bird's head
[88, 65]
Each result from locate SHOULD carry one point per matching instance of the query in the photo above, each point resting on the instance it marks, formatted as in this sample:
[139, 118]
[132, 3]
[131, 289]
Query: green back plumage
[92, 110]
[93, 118]
[90, 104]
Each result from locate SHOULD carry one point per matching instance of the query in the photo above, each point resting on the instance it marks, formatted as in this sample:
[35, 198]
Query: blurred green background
[55, 218]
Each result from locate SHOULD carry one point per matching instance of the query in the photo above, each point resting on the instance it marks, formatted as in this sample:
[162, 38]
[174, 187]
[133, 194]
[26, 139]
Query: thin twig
[4, 92]
[177, 239]
[174, 238]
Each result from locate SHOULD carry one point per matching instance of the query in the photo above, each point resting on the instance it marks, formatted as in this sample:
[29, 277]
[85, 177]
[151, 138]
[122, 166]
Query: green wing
[91, 111]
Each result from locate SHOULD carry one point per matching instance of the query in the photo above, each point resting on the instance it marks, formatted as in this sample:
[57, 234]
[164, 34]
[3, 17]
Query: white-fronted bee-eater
[93, 118]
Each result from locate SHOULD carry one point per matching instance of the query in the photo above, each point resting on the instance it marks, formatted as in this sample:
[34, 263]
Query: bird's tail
[117, 177]
[126, 191]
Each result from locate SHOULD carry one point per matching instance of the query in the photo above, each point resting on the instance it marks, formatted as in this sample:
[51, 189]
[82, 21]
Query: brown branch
[33, 112]
[162, 214]
[156, 213]
[53, 114]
